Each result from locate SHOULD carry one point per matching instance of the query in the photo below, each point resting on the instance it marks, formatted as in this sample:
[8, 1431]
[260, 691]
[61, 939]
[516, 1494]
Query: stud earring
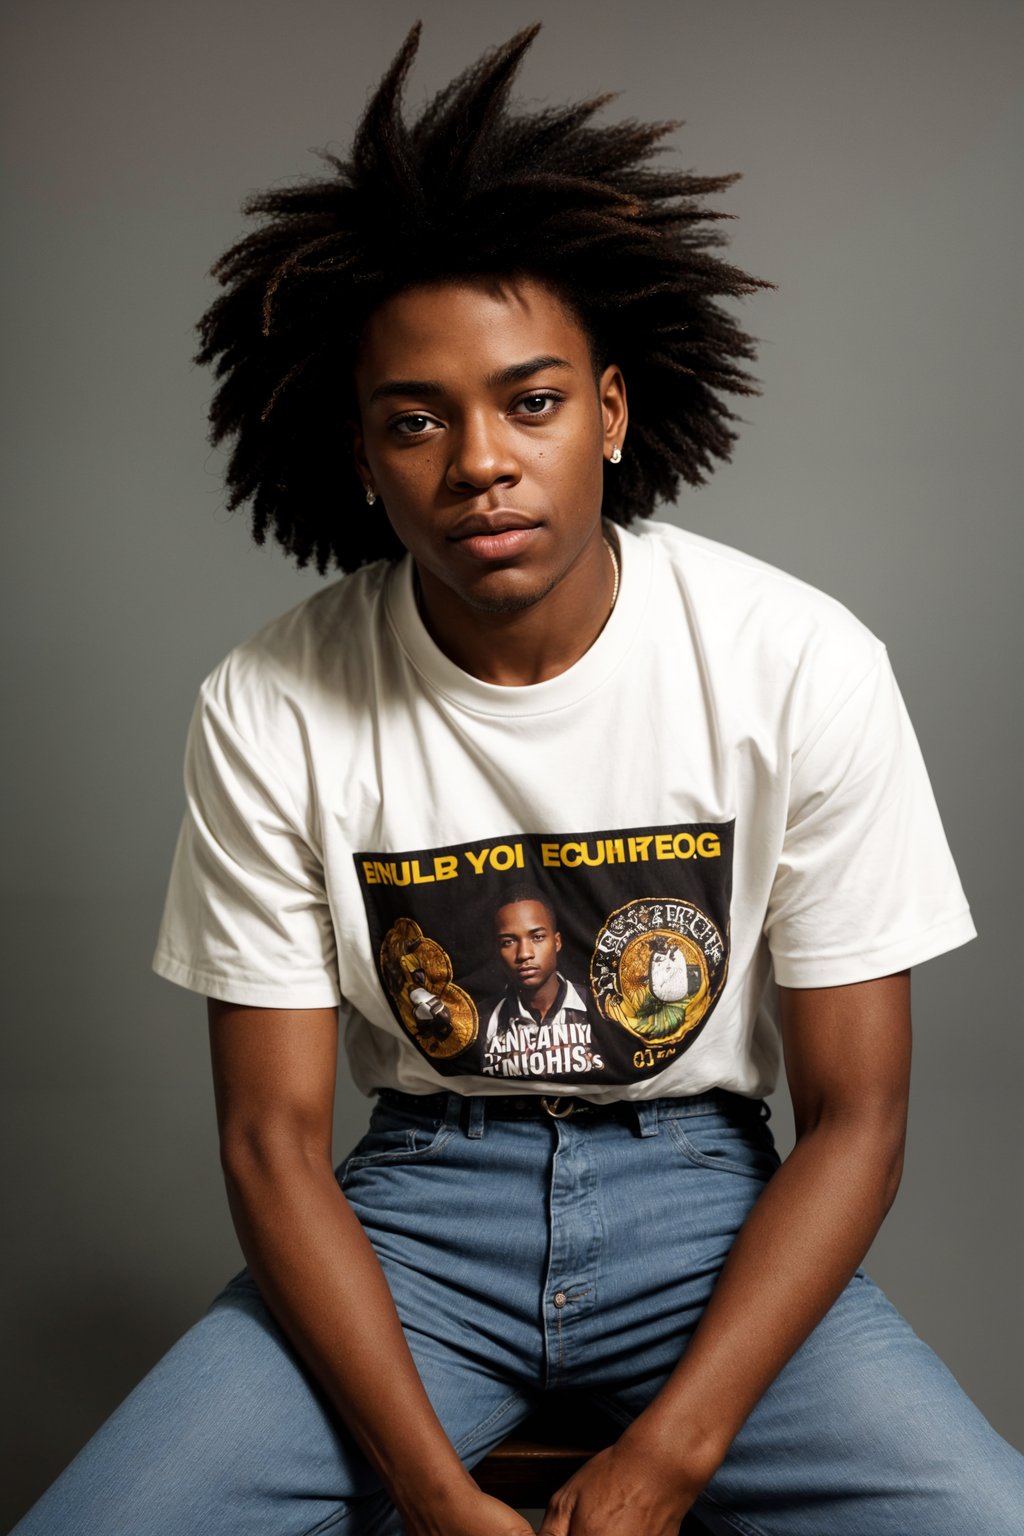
[371, 495]
[616, 457]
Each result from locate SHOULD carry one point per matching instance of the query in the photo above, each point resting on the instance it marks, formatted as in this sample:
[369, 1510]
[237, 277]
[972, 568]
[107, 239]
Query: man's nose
[483, 454]
[524, 950]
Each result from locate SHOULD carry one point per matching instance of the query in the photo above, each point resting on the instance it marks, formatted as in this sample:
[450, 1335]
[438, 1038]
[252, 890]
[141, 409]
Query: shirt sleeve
[246, 918]
[865, 884]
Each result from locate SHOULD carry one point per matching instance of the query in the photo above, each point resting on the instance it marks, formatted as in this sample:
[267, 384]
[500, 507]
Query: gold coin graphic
[417, 971]
[657, 969]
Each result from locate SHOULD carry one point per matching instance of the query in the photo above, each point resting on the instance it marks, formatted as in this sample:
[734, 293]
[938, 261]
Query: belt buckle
[559, 1114]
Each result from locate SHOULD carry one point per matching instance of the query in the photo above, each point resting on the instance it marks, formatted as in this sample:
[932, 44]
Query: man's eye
[538, 405]
[408, 426]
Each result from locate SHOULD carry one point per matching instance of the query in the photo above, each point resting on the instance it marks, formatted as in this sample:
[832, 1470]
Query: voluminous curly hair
[470, 189]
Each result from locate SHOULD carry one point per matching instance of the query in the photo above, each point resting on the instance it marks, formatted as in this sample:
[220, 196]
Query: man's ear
[611, 390]
[359, 460]
[558, 941]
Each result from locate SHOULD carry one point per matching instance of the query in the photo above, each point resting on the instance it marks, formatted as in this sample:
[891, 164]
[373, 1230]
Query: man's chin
[503, 597]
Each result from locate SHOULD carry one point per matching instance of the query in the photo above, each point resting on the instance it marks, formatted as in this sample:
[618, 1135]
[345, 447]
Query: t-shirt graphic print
[573, 957]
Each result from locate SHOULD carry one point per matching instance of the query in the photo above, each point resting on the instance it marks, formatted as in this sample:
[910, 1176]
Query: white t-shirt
[725, 785]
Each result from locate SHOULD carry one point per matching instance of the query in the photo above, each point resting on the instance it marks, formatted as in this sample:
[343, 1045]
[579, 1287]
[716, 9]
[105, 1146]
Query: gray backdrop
[878, 143]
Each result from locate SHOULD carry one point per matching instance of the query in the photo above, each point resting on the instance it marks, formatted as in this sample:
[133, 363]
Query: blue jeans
[530, 1256]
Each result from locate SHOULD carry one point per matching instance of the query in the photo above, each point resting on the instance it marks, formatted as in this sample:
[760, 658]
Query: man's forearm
[791, 1259]
[322, 1280]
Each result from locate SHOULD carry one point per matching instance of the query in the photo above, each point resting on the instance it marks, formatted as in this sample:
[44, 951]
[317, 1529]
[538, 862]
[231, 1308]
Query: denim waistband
[471, 1112]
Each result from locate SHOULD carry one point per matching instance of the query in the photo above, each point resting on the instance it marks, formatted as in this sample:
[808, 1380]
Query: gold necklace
[615, 568]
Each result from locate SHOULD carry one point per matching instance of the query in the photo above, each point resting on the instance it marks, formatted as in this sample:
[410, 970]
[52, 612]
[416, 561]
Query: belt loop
[475, 1116]
[647, 1116]
[453, 1110]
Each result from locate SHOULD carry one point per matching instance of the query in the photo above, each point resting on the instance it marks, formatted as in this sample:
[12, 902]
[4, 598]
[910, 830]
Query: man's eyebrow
[516, 372]
[513, 374]
[392, 388]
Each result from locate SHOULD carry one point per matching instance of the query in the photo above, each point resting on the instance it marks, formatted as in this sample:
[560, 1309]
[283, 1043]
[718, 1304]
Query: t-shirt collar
[569, 687]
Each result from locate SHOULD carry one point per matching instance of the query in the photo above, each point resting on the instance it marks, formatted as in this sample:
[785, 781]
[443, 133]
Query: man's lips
[494, 536]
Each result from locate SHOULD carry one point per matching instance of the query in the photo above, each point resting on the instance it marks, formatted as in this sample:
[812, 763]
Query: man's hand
[620, 1492]
[469, 1513]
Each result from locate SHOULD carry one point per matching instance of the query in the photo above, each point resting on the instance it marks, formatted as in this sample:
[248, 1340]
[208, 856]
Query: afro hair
[470, 189]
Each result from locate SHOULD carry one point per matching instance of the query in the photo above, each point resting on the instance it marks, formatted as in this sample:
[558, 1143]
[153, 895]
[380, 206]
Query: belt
[522, 1106]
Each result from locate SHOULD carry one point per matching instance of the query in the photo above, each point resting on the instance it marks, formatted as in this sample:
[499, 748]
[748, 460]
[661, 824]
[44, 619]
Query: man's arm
[274, 1073]
[847, 1054]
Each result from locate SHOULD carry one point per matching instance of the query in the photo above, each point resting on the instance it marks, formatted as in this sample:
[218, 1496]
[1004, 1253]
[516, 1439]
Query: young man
[540, 1025]
[704, 761]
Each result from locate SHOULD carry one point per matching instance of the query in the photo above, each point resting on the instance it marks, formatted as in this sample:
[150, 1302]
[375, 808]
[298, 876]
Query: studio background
[880, 146]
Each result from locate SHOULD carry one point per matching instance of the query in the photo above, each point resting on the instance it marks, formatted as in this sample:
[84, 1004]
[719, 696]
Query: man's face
[484, 431]
[669, 981]
[527, 943]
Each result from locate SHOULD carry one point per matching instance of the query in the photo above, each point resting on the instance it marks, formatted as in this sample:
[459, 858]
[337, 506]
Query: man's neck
[541, 1002]
[531, 644]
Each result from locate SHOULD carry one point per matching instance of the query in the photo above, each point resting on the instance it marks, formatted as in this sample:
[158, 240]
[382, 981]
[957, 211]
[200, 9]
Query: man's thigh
[228, 1434]
[864, 1433]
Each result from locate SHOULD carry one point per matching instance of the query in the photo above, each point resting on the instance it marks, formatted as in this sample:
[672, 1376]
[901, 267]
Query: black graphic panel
[580, 957]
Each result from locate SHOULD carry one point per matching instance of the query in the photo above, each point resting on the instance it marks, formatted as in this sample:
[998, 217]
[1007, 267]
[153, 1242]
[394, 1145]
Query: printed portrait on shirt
[540, 1025]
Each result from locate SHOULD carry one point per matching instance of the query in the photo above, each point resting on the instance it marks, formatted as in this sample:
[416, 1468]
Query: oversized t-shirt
[724, 788]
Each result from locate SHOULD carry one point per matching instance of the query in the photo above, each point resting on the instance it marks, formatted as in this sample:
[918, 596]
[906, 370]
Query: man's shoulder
[320, 647]
[728, 574]
[750, 610]
[572, 1001]
[313, 628]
